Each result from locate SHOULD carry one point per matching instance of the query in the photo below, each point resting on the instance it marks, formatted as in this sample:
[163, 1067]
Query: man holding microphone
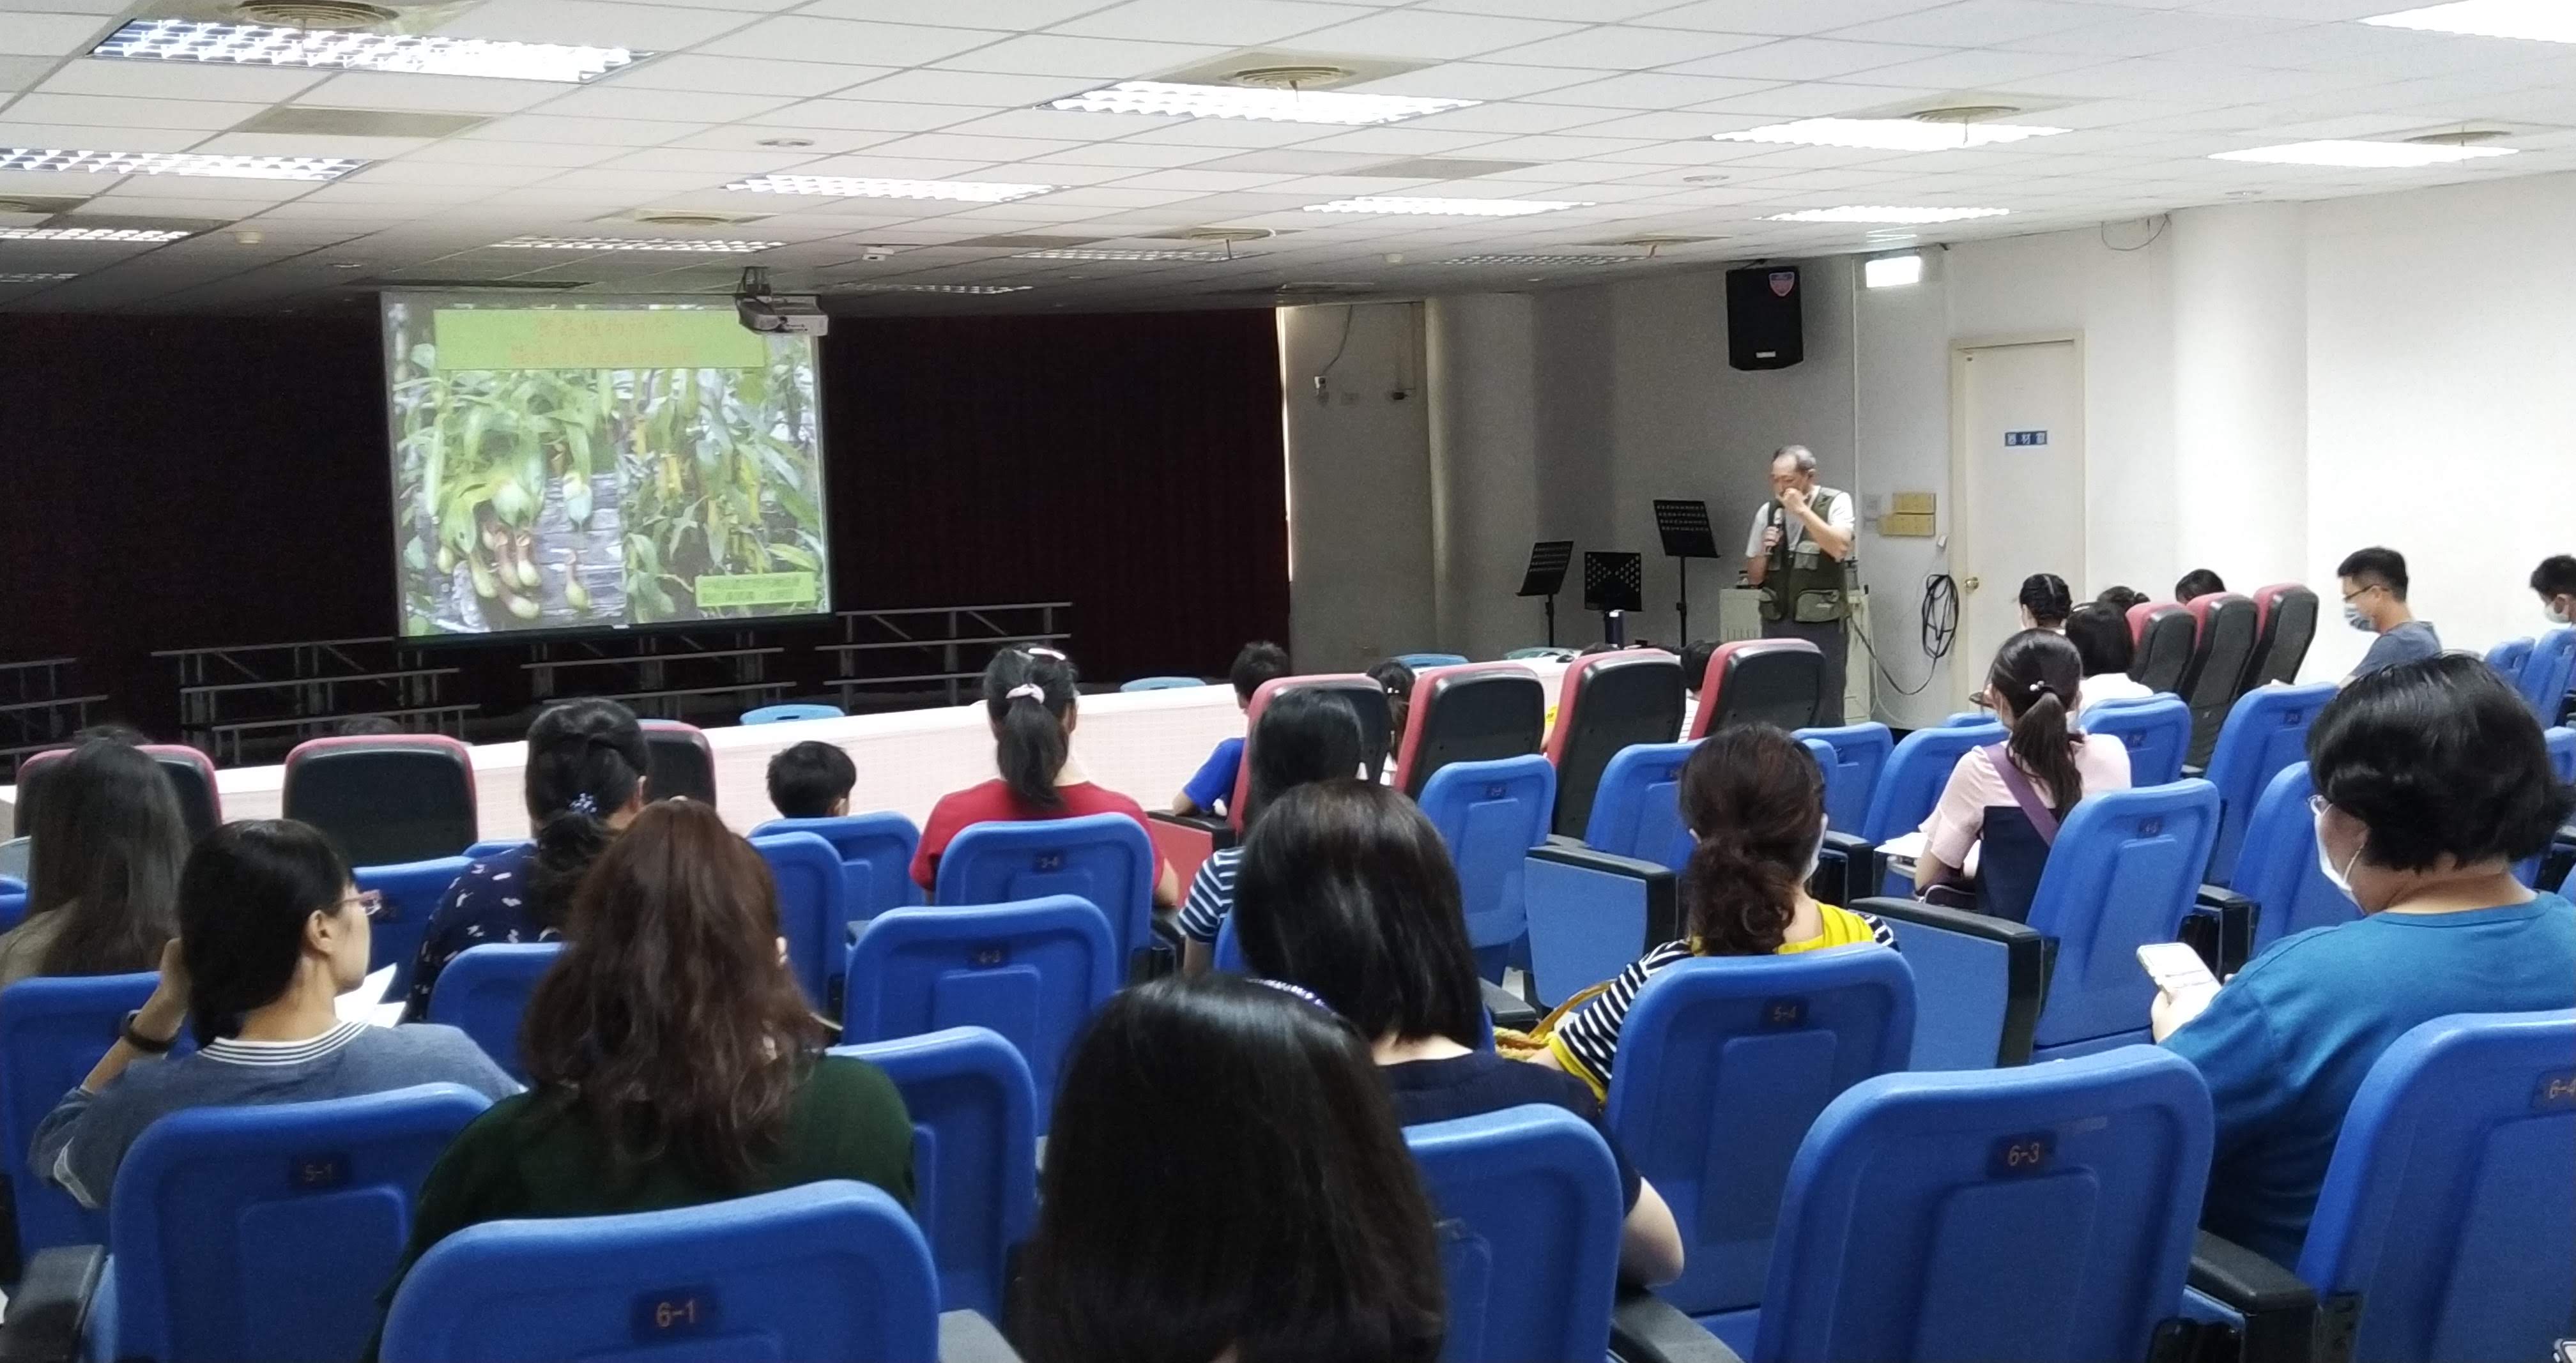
[1800, 556]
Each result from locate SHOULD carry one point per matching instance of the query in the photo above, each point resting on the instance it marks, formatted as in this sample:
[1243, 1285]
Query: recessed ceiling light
[2548, 21]
[153, 234]
[1268, 105]
[936, 288]
[192, 40]
[787, 141]
[36, 276]
[1540, 260]
[1889, 134]
[2362, 155]
[1446, 208]
[1086, 253]
[707, 246]
[348, 264]
[179, 163]
[843, 186]
[1703, 179]
[1891, 272]
[1886, 213]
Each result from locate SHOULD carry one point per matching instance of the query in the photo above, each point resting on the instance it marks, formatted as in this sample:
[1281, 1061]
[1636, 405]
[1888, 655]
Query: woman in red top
[1029, 693]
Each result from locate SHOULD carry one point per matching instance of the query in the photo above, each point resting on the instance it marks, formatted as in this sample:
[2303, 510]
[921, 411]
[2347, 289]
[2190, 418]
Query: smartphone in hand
[2177, 969]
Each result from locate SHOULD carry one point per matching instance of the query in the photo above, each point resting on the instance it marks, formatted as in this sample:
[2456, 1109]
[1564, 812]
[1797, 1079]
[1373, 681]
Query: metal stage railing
[955, 640]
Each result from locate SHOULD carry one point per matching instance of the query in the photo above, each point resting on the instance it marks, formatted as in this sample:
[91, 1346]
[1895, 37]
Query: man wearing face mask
[2374, 601]
[2555, 580]
[2432, 781]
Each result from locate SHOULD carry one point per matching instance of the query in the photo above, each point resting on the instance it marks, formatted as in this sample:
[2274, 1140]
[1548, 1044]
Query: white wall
[1359, 485]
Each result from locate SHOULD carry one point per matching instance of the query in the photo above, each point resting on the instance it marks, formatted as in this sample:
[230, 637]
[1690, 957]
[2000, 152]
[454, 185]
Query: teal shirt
[2286, 1043]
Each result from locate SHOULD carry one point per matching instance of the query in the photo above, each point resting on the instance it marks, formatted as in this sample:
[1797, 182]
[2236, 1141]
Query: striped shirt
[1211, 896]
[1586, 1040]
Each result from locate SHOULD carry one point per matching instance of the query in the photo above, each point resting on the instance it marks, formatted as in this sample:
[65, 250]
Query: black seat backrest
[1476, 713]
[2285, 624]
[2222, 646]
[682, 764]
[1608, 702]
[2162, 632]
[1780, 682]
[385, 800]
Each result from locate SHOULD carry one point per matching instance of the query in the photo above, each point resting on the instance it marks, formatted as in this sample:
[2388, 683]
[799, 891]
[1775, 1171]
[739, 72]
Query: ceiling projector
[776, 314]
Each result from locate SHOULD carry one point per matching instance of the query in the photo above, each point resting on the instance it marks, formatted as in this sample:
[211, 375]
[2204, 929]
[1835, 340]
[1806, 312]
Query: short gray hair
[1799, 456]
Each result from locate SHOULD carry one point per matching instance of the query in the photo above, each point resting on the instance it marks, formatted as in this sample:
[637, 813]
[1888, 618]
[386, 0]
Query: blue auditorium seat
[1637, 812]
[974, 1154]
[1530, 1213]
[266, 1231]
[1912, 781]
[791, 712]
[1163, 684]
[828, 1271]
[53, 1029]
[1103, 858]
[485, 851]
[2508, 659]
[484, 994]
[1421, 661]
[2044, 1212]
[2561, 743]
[2276, 865]
[1723, 1064]
[813, 910]
[13, 904]
[1852, 757]
[1033, 971]
[2265, 732]
[2442, 1229]
[876, 858]
[2125, 871]
[1594, 906]
[411, 890]
[2156, 731]
[2548, 672]
[1491, 814]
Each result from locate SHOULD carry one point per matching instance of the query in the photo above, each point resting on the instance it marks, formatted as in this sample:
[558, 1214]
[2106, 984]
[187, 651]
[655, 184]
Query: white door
[2017, 484]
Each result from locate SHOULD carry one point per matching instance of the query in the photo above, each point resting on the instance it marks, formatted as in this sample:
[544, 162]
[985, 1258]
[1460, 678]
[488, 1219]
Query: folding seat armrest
[2278, 1311]
[1214, 825]
[2000, 968]
[49, 1312]
[2234, 915]
[966, 1337]
[1590, 914]
[1663, 906]
[1644, 1328]
[1846, 870]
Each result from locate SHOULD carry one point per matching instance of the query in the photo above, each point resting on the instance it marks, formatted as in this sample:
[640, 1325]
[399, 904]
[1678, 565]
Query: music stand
[1613, 584]
[1546, 577]
[1687, 535]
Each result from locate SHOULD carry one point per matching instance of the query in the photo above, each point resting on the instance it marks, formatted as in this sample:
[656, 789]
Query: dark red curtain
[178, 482]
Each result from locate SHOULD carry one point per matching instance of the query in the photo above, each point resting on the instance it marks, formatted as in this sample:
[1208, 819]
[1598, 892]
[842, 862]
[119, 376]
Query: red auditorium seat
[2285, 623]
[2223, 626]
[684, 763]
[1474, 713]
[2162, 633]
[1608, 702]
[1186, 840]
[1771, 681]
[385, 799]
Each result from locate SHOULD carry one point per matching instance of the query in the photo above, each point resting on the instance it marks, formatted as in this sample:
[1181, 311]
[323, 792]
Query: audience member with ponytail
[1030, 697]
[585, 782]
[2035, 687]
[271, 933]
[1754, 800]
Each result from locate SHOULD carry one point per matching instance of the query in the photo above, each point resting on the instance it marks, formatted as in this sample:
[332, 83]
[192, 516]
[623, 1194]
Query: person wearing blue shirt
[2432, 781]
[1213, 785]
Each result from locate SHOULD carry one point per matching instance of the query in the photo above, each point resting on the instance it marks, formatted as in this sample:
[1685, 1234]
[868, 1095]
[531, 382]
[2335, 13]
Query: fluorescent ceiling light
[937, 288]
[2363, 155]
[1889, 134]
[1446, 208]
[191, 40]
[1085, 253]
[711, 247]
[179, 163]
[36, 276]
[153, 234]
[1237, 101]
[2548, 21]
[843, 186]
[1540, 260]
[1886, 213]
[1891, 272]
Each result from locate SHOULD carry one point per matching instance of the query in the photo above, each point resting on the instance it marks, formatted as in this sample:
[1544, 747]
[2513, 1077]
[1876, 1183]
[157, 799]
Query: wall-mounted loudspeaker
[1763, 330]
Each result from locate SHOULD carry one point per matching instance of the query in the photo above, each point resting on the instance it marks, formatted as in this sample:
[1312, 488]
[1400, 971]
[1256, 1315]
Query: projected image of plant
[535, 492]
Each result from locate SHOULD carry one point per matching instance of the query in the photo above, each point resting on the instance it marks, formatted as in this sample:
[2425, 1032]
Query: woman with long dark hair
[2035, 686]
[272, 932]
[1304, 736]
[1347, 890]
[1031, 699]
[2101, 638]
[585, 782]
[1225, 1180]
[670, 1054]
[1754, 801]
[103, 875]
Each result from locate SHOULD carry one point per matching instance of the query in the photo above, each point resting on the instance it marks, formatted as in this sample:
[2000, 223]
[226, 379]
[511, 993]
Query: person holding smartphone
[2432, 781]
